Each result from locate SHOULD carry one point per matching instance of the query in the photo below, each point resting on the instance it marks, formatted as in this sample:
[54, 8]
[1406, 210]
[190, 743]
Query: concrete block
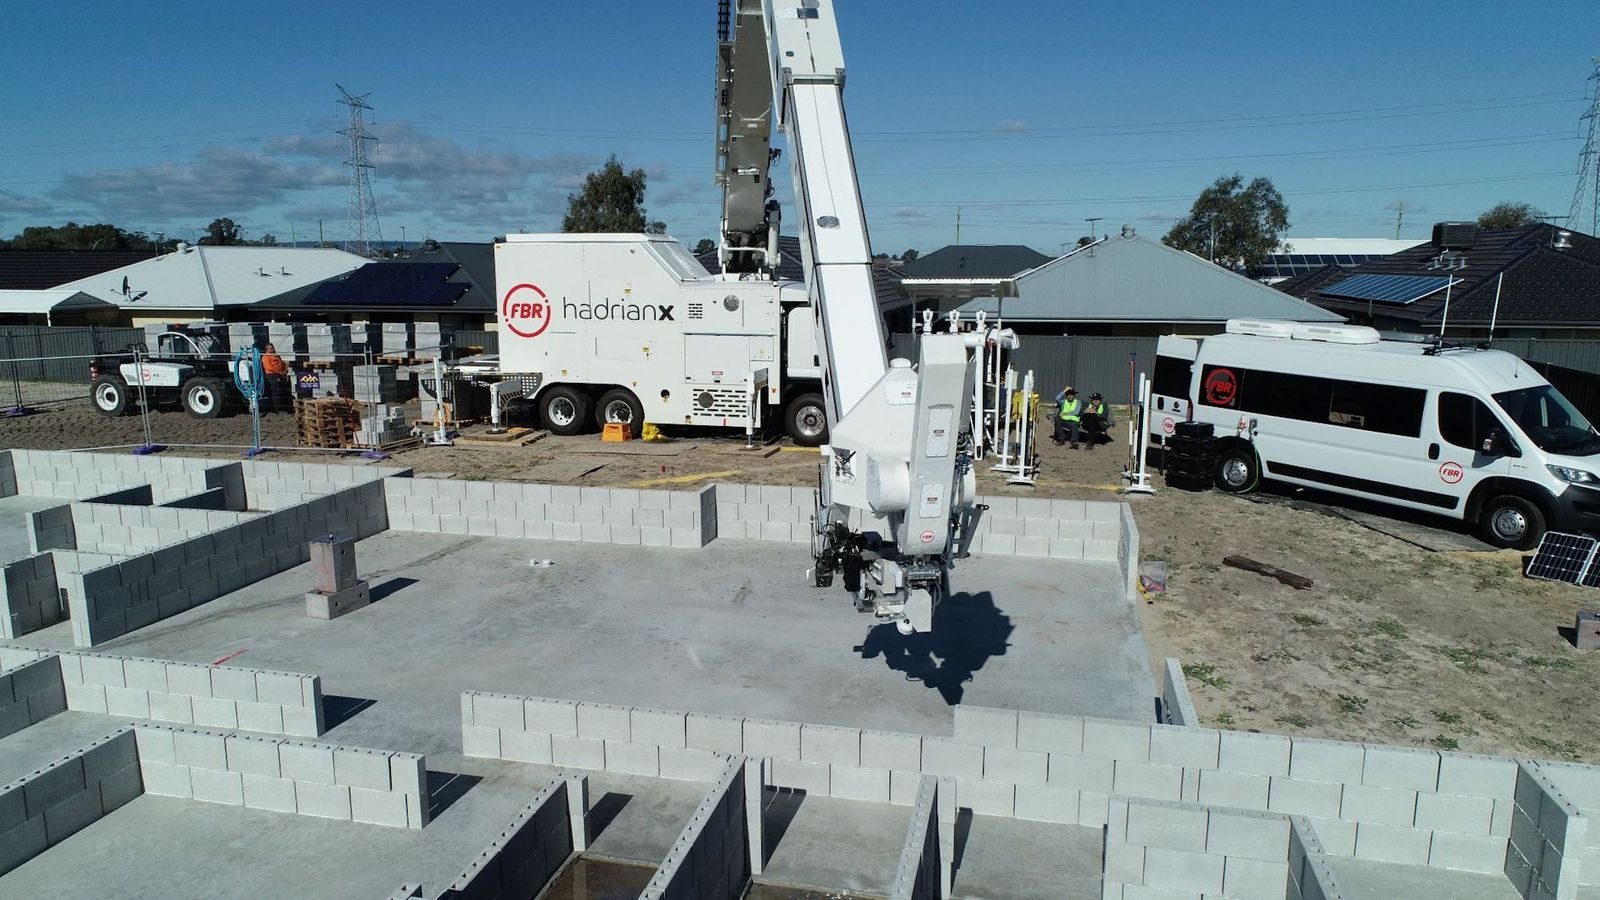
[498, 711]
[525, 746]
[72, 814]
[892, 750]
[1066, 548]
[1107, 739]
[1500, 822]
[164, 780]
[813, 778]
[303, 722]
[1254, 879]
[681, 764]
[1124, 864]
[1176, 745]
[830, 744]
[1304, 798]
[1461, 815]
[987, 798]
[1169, 826]
[769, 739]
[1337, 837]
[1147, 780]
[1081, 773]
[377, 807]
[156, 744]
[1254, 754]
[266, 718]
[1182, 870]
[1384, 806]
[119, 787]
[103, 670]
[263, 792]
[948, 758]
[480, 740]
[659, 727]
[189, 679]
[214, 713]
[200, 749]
[1049, 733]
[986, 726]
[145, 674]
[655, 536]
[1405, 768]
[1474, 775]
[228, 683]
[1024, 767]
[603, 722]
[22, 843]
[253, 756]
[579, 753]
[856, 783]
[1312, 759]
[325, 801]
[903, 787]
[170, 708]
[212, 786]
[720, 734]
[1260, 837]
[86, 697]
[1389, 843]
[1047, 804]
[361, 768]
[327, 606]
[1468, 852]
[554, 717]
[302, 762]
[1233, 789]
[633, 759]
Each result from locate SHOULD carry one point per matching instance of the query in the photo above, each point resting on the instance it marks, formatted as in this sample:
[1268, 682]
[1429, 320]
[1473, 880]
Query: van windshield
[1550, 421]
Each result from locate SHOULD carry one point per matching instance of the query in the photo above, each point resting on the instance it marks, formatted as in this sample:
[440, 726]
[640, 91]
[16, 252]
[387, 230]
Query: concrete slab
[14, 524]
[1009, 859]
[23, 752]
[1364, 879]
[837, 844]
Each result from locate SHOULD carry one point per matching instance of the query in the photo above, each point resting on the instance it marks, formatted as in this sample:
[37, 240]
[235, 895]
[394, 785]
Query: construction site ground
[1393, 642]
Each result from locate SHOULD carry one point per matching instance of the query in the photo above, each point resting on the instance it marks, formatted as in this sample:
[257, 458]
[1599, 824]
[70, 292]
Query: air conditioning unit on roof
[1260, 327]
[1336, 334]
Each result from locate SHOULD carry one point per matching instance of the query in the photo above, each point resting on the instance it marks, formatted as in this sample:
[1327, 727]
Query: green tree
[73, 236]
[704, 246]
[222, 233]
[1234, 224]
[1506, 214]
[611, 201]
[909, 256]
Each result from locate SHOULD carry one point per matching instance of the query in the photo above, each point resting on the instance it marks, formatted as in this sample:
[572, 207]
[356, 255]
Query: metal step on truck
[600, 329]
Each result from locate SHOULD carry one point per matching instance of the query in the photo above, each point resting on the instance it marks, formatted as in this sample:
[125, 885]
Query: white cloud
[1015, 126]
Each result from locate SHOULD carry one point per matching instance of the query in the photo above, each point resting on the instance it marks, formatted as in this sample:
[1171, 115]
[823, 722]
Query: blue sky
[1030, 117]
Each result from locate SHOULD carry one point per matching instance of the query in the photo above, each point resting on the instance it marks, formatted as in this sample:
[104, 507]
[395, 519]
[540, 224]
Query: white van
[1469, 433]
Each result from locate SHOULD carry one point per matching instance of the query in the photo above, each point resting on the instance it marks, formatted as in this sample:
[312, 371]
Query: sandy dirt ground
[1453, 650]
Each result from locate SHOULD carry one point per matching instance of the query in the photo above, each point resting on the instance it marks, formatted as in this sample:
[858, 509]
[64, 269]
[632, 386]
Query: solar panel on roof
[1400, 289]
[1564, 557]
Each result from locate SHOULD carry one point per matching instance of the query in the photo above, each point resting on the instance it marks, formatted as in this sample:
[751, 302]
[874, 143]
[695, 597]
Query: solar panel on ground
[1388, 288]
[1564, 557]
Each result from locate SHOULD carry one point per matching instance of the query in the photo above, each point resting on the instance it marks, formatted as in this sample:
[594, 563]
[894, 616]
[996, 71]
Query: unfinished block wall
[552, 512]
[1177, 707]
[29, 693]
[279, 485]
[8, 475]
[72, 476]
[47, 806]
[327, 781]
[50, 529]
[1548, 839]
[710, 860]
[1310, 878]
[29, 597]
[918, 877]
[530, 849]
[1579, 786]
[130, 530]
[1194, 850]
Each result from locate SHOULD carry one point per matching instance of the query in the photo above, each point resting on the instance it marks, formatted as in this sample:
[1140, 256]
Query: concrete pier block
[719, 734]
[334, 604]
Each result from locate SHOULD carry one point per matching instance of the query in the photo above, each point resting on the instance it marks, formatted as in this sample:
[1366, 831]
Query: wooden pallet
[327, 423]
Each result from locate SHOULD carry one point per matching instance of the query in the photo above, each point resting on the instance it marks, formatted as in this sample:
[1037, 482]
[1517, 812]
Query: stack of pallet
[328, 423]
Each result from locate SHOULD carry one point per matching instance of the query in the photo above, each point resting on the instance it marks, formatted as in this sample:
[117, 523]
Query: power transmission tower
[1586, 196]
[361, 228]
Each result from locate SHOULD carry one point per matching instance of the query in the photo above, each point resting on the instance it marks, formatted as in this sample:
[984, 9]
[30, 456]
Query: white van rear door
[1172, 385]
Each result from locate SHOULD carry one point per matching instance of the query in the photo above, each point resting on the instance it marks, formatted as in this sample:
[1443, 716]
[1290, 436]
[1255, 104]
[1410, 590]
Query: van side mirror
[1498, 443]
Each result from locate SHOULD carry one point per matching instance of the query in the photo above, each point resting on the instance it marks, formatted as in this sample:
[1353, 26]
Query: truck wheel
[807, 420]
[1238, 470]
[203, 398]
[1511, 521]
[565, 410]
[620, 407]
[109, 395]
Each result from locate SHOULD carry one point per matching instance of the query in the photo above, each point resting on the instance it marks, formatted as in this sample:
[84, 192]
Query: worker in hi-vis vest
[1069, 420]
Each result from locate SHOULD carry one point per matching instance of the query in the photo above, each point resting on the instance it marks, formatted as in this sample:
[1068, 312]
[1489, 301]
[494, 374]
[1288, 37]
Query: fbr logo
[526, 310]
[1451, 473]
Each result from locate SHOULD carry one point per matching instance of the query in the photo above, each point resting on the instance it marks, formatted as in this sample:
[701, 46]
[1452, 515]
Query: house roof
[38, 269]
[974, 261]
[1543, 286]
[45, 302]
[452, 277]
[206, 277]
[1134, 279]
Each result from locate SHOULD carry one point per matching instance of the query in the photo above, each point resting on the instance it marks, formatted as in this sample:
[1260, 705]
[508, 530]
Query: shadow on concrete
[445, 788]
[778, 814]
[604, 810]
[337, 710]
[963, 828]
[967, 631]
[382, 591]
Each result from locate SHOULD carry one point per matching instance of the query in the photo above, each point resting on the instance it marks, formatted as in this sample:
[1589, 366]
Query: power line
[1586, 194]
[362, 228]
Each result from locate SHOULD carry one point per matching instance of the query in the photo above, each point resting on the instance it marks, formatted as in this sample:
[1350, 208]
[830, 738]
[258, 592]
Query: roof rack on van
[1437, 346]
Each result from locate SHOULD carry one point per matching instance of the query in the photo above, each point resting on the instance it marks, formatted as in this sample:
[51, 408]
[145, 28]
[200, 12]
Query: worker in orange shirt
[277, 372]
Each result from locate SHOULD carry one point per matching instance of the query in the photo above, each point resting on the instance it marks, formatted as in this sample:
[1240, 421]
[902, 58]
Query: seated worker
[1069, 418]
[1097, 421]
[277, 373]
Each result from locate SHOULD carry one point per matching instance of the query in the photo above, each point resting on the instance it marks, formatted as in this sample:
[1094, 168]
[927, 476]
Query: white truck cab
[630, 328]
[1466, 432]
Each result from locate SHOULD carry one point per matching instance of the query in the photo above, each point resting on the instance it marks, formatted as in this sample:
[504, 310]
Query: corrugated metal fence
[42, 353]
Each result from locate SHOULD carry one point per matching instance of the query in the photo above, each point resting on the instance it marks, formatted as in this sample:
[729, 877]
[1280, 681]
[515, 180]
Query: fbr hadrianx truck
[1466, 432]
[630, 328]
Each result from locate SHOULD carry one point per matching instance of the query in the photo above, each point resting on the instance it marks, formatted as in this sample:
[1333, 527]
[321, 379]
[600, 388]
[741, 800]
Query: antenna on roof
[1495, 315]
[1446, 318]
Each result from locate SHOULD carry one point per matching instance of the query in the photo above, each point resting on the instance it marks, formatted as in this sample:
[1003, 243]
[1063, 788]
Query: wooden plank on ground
[1298, 582]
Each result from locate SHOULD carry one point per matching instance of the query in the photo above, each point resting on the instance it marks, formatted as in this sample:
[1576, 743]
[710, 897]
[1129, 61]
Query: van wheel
[620, 407]
[110, 395]
[202, 398]
[1511, 521]
[806, 420]
[1238, 470]
[565, 410]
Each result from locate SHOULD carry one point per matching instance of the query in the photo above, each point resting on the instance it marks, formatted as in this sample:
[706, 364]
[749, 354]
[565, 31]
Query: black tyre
[806, 420]
[109, 394]
[203, 398]
[1238, 470]
[620, 407]
[1511, 521]
[564, 410]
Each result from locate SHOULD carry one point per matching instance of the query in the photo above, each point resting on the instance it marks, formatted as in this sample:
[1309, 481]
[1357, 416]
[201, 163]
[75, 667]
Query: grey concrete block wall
[258, 700]
[29, 596]
[1549, 837]
[1191, 850]
[131, 530]
[1310, 878]
[1579, 786]
[530, 850]
[72, 476]
[373, 787]
[138, 495]
[711, 858]
[50, 529]
[918, 875]
[30, 692]
[8, 475]
[49, 805]
[1177, 707]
